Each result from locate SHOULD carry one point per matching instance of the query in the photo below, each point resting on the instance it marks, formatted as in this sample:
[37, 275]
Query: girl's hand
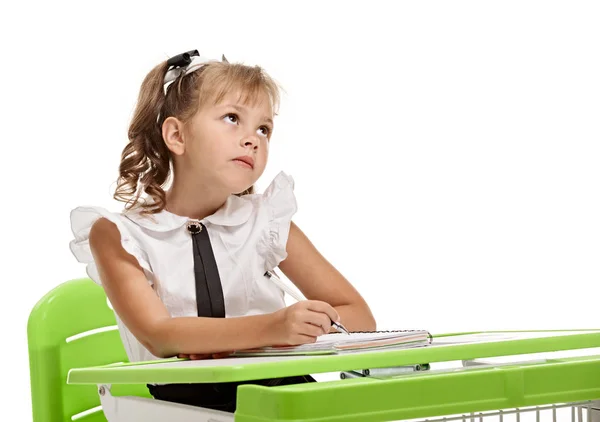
[302, 322]
[203, 356]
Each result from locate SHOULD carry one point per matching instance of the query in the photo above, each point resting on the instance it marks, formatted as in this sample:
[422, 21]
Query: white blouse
[248, 235]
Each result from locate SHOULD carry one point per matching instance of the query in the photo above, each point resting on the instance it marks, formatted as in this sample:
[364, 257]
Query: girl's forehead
[258, 101]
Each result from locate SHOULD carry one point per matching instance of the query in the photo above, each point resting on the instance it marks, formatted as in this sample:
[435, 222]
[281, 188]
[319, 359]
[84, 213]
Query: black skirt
[218, 396]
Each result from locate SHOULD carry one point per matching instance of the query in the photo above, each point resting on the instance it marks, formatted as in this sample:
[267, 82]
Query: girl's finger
[199, 356]
[221, 355]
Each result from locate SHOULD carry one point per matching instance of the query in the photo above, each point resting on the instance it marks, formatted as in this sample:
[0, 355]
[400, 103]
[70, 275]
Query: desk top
[444, 348]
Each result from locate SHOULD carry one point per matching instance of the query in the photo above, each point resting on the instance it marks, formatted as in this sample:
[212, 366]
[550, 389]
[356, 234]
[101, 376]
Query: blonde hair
[146, 161]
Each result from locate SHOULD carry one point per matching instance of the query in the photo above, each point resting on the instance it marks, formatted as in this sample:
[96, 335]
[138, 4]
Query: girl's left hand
[204, 356]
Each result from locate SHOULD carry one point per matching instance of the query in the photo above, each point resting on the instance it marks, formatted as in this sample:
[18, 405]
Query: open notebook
[343, 343]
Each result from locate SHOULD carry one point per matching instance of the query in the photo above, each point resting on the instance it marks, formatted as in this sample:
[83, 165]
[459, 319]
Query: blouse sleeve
[280, 204]
[82, 219]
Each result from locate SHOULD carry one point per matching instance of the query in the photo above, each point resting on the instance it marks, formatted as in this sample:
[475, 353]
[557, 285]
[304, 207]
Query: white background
[446, 154]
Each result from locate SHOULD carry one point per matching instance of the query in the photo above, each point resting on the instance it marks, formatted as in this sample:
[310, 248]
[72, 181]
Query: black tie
[209, 292]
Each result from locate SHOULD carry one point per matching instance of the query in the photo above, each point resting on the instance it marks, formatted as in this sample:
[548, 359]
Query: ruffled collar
[235, 211]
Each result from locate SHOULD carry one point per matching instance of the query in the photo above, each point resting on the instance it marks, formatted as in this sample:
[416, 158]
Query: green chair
[72, 326]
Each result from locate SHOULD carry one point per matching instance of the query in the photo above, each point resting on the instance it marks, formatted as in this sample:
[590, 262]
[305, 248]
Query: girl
[186, 268]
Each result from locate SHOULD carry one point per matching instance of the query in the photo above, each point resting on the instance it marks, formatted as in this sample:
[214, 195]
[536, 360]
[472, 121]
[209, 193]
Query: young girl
[185, 268]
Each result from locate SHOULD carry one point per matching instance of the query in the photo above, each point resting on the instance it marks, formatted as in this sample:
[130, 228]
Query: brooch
[194, 227]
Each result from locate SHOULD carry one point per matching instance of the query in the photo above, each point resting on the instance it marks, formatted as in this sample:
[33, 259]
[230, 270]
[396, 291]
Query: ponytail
[145, 160]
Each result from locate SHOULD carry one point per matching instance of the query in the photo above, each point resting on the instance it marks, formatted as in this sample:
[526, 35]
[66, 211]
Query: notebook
[337, 343]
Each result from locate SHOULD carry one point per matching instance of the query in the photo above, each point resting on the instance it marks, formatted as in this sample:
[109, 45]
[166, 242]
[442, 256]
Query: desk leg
[130, 408]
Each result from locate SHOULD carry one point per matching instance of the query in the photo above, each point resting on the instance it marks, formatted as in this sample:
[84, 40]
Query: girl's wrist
[271, 325]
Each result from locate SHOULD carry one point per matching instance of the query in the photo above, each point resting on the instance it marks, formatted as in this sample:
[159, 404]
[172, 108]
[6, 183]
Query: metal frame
[588, 411]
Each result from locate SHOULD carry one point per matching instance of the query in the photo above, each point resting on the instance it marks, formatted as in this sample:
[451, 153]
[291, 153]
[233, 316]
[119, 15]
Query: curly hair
[146, 162]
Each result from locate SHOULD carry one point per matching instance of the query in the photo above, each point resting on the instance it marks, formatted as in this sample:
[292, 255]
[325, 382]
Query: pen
[296, 296]
[340, 327]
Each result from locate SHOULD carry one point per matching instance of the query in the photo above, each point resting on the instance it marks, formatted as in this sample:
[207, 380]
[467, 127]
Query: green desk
[481, 387]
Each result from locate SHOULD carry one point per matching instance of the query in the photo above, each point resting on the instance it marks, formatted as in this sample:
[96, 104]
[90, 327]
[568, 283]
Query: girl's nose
[251, 140]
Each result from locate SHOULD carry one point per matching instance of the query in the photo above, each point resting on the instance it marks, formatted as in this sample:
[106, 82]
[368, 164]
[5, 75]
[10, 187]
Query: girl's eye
[264, 131]
[231, 118]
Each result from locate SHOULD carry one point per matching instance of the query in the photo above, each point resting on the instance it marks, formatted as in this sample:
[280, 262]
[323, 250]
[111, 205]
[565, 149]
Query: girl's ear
[172, 133]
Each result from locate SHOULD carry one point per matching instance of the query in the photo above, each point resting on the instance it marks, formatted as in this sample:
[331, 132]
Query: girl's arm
[317, 279]
[144, 314]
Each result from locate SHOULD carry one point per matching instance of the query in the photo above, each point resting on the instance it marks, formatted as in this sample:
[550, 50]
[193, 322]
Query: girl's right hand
[302, 322]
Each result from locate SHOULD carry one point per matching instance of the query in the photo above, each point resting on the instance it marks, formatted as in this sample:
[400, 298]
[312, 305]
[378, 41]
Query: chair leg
[130, 408]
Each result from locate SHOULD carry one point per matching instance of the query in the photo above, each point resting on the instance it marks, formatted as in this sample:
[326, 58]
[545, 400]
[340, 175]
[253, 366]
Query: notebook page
[358, 337]
[339, 341]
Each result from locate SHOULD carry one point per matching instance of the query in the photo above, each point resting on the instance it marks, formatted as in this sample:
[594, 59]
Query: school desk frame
[472, 392]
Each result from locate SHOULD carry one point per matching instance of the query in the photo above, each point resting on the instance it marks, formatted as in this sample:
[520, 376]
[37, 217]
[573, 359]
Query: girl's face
[227, 144]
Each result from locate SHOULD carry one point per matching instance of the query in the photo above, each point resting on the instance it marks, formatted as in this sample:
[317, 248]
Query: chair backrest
[72, 326]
